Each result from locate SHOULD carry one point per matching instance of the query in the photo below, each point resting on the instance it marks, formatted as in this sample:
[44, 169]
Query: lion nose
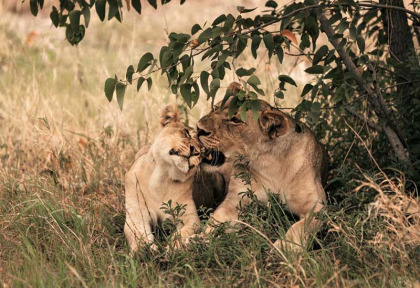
[202, 132]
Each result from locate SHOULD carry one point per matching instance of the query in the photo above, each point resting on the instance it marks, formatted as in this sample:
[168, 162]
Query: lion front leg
[297, 236]
[137, 228]
[137, 231]
[187, 227]
[228, 210]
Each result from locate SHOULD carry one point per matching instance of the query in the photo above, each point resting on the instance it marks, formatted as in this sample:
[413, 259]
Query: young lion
[162, 171]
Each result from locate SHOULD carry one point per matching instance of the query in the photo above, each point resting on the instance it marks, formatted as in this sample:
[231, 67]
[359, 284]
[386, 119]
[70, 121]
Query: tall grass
[64, 150]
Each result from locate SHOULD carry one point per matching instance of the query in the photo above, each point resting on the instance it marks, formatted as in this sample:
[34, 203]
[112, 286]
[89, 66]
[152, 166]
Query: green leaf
[243, 109]
[110, 88]
[259, 91]
[306, 89]
[197, 92]
[222, 58]
[100, 9]
[269, 43]
[241, 95]
[214, 86]
[322, 51]
[129, 74]
[195, 29]
[68, 5]
[241, 72]
[316, 69]
[219, 20]
[204, 81]
[279, 94]
[233, 106]
[335, 18]
[241, 44]
[312, 28]
[152, 3]
[341, 44]
[271, 4]
[229, 23]
[41, 3]
[228, 94]
[304, 41]
[287, 79]
[187, 74]
[120, 89]
[113, 9]
[140, 82]
[136, 5]
[361, 43]
[75, 36]
[55, 18]
[280, 54]
[242, 9]
[253, 80]
[180, 38]
[149, 83]
[74, 17]
[185, 62]
[316, 107]
[204, 36]
[349, 75]
[34, 7]
[255, 106]
[252, 95]
[86, 15]
[342, 26]
[256, 40]
[186, 93]
[353, 32]
[144, 62]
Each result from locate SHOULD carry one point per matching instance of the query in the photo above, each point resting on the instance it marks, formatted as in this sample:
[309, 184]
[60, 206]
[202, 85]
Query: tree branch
[382, 111]
[376, 5]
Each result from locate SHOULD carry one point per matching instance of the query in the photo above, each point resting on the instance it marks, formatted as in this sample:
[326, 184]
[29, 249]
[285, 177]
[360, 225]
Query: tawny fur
[284, 159]
[161, 172]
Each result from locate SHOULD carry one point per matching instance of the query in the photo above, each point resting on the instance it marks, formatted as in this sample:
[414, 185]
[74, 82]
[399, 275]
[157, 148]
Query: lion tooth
[210, 157]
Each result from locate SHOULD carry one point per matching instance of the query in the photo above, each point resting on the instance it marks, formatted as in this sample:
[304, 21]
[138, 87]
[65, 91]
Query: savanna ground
[64, 151]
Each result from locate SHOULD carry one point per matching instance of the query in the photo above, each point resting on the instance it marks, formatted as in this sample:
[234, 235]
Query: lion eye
[236, 120]
[187, 133]
[173, 152]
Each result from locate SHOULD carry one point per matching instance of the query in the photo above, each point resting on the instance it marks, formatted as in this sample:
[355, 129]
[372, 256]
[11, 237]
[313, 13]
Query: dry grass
[64, 150]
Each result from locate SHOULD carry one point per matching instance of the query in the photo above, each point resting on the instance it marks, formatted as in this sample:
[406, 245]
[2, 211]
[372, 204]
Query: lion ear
[169, 114]
[273, 123]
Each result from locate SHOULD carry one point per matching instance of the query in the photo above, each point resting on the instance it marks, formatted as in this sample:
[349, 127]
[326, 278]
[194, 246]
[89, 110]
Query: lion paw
[287, 246]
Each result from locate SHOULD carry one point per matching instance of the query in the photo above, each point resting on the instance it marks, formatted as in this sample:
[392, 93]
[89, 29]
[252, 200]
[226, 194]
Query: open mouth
[213, 157]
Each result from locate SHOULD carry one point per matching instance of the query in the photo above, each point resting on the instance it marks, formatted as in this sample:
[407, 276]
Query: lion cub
[162, 171]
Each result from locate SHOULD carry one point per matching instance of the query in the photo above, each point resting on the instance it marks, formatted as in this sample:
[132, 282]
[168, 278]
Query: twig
[370, 123]
[358, 4]
[364, 144]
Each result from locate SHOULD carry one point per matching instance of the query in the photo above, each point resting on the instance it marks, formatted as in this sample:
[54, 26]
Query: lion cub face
[176, 147]
[223, 137]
